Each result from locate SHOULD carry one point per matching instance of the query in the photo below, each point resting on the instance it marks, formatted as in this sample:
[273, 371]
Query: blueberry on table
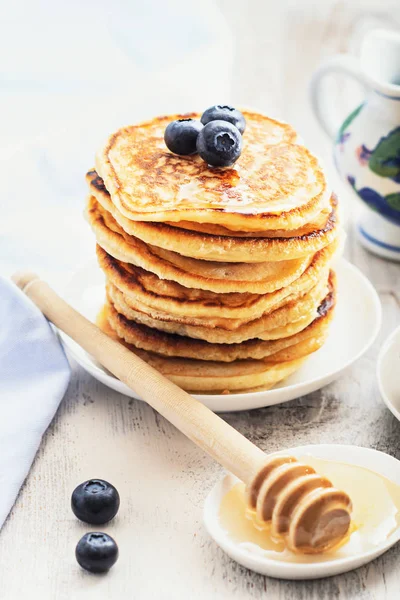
[95, 501]
[96, 552]
[180, 136]
[219, 143]
[221, 112]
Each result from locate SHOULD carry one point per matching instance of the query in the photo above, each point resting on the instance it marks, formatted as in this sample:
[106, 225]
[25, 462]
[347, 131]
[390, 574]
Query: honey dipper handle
[191, 417]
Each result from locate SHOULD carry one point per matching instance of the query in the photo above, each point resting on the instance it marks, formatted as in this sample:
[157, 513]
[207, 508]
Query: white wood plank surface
[163, 478]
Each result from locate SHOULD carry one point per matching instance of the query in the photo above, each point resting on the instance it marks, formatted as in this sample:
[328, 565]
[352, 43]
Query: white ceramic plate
[388, 369]
[376, 461]
[356, 324]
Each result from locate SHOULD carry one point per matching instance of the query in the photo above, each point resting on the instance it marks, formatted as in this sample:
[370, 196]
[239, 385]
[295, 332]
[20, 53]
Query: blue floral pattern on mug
[384, 159]
[388, 206]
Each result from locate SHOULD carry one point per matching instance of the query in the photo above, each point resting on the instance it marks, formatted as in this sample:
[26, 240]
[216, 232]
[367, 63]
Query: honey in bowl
[375, 516]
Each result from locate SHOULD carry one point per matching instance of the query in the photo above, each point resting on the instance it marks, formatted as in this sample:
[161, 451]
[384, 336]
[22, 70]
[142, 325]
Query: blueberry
[181, 136]
[95, 501]
[221, 112]
[219, 143]
[96, 552]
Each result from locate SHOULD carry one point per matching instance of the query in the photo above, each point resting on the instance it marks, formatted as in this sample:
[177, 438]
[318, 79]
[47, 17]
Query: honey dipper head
[320, 521]
[302, 506]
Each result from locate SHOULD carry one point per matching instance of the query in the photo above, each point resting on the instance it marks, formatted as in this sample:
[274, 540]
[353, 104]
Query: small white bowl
[388, 370]
[374, 460]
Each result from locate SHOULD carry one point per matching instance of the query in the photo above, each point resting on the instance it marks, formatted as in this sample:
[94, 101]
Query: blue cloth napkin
[34, 374]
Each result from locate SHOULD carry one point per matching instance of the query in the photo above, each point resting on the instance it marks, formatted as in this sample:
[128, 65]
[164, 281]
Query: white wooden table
[163, 478]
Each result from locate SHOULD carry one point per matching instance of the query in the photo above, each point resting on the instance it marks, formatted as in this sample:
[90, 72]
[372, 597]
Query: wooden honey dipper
[302, 506]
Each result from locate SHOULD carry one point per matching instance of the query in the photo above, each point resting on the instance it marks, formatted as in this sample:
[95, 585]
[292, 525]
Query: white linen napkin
[34, 374]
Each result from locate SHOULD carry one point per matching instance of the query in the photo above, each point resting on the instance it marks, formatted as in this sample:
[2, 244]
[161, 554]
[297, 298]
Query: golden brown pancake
[207, 275]
[287, 320]
[193, 273]
[275, 184]
[290, 348]
[267, 246]
[212, 376]
[141, 286]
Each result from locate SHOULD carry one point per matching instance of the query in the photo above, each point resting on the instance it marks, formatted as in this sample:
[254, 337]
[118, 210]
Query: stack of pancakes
[219, 278]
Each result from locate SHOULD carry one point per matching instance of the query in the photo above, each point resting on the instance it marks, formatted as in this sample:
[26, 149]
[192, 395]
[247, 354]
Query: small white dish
[388, 369]
[358, 311]
[257, 561]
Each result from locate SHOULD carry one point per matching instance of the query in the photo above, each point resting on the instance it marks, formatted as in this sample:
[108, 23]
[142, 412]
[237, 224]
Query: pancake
[212, 376]
[140, 286]
[224, 248]
[202, 329]
[258, 278]
[291, 348]
[275, 184]
[99, 190]
[291, 318]
[319, 222]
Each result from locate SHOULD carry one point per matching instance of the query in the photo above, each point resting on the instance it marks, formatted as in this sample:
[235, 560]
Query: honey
[375, 515]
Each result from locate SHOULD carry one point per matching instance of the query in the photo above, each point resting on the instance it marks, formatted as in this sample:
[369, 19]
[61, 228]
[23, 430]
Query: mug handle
[341, 63]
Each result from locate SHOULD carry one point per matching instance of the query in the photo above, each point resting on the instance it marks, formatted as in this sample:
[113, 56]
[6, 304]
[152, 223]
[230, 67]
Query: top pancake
[275, 184]
[269, 245]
